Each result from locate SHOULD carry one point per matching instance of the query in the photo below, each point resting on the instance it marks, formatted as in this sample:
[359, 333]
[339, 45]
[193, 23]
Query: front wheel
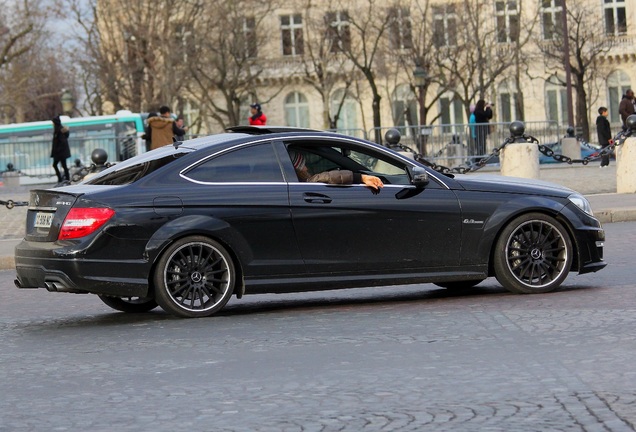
[533, 254]
[194, 277]
[130, 304]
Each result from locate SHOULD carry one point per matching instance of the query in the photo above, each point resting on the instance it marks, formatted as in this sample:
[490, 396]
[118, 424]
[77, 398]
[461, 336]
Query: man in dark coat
[604, 133]
[60, 150]
[483, 114]
[626, 107]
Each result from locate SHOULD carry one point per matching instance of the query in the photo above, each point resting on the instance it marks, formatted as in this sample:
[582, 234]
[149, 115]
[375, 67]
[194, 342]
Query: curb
[618, 215]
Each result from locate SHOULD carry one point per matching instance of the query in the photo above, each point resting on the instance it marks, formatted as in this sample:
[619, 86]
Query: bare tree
[21, 30]
[421, 59]
[133, 52]
[324, 65]
[369, 21]
[587, 46]
[228, 67]
[469, 56]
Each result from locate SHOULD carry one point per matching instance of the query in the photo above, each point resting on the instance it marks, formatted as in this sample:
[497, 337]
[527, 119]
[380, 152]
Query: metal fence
[33, 157]
[454, 144]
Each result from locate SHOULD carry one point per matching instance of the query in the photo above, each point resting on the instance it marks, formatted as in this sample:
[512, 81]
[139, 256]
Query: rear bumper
[45, 268]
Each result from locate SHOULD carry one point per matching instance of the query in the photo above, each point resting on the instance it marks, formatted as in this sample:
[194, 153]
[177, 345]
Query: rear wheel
[194, 277]
[130, 304]
[533, 254]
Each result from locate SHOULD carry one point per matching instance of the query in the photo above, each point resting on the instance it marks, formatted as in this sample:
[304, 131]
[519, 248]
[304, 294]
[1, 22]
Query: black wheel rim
[536, 254]
[197, 276]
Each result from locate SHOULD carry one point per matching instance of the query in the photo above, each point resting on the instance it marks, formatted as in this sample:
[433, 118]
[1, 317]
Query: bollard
[99, 158]
[626, 161]
[520, 158]
[392, 138]
[570, 146]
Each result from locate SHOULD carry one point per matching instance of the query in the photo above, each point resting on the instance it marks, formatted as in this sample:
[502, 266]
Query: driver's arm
[346, 177]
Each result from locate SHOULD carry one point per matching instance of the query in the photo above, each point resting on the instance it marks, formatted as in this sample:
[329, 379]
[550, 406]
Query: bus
[26, 147]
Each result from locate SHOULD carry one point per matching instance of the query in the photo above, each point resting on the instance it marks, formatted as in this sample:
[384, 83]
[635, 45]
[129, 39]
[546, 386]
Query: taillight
[81, 222]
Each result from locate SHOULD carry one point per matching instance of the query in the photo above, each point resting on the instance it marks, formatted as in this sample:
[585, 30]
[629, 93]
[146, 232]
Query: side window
[252, 164]
[320, 157]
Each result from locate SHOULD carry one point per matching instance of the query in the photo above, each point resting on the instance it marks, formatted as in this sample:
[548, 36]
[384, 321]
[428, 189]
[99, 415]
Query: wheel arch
[212, 228]
[552, 211]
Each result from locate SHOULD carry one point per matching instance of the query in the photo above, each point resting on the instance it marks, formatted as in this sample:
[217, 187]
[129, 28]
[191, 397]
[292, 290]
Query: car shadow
[274, 303]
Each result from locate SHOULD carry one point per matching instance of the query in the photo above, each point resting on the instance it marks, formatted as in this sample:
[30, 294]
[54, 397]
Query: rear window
[133, 169]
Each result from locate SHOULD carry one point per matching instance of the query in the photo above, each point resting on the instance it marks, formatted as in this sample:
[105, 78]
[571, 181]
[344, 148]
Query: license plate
[43, 219]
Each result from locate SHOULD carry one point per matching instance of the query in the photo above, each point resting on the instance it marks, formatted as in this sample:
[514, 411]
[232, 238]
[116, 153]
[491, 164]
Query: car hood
[499, 183]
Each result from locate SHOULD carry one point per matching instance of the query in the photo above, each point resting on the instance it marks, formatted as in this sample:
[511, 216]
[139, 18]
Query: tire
[459, 285]
[533, 254]
[130, 304]
[194, 277]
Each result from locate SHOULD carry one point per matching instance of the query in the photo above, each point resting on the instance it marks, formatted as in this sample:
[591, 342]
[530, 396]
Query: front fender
[502, 211]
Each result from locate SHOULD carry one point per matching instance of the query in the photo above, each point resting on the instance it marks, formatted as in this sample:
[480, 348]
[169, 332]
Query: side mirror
[419, 177]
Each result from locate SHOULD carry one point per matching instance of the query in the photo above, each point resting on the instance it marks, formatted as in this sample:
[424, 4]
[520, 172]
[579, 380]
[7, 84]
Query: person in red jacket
[257, 118]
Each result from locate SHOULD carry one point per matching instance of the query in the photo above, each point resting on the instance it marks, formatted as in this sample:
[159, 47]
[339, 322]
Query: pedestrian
[473, 131]
[626, 107]
[483, 113]
[148, 131]
[257, 118]
[163, 128]
[604, 134]
[60, 150]
[180, 125]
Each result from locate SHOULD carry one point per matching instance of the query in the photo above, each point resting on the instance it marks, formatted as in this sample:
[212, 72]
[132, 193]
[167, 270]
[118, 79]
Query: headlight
[580, 201]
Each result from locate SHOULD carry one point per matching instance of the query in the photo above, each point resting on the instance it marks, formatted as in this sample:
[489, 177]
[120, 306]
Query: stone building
[425, 62]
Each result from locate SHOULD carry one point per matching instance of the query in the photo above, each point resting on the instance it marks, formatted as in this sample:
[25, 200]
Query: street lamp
[67, 102]
[420, 78]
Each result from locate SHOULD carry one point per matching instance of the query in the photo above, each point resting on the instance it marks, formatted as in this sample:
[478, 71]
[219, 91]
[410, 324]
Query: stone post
[520, 158]
[626, 161]
[570, 145]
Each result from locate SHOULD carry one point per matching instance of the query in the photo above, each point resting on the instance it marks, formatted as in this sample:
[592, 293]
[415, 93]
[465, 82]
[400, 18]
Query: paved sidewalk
[598, 185]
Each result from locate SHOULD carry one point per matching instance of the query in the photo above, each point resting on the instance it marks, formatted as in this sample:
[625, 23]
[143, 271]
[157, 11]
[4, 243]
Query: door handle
[316, 198]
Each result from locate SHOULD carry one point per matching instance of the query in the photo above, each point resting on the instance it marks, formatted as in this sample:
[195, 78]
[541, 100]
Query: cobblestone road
[413, 358]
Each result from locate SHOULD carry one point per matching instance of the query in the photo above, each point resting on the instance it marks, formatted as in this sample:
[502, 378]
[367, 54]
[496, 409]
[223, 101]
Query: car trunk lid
[46, 213]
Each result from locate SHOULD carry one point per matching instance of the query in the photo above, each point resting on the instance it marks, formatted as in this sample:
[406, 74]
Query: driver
[332, 177]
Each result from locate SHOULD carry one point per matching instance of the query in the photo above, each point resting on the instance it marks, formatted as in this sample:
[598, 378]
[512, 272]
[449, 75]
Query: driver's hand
[372, 181]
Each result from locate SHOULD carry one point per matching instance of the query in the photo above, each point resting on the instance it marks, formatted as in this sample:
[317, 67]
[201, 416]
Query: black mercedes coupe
[188, 225]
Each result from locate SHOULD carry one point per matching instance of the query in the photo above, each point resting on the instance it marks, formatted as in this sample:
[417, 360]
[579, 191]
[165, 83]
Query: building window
[444, 26]
[507, 102]
[551, 16]
[452, 114]
[348, 115]
[249, 36]
[401, 36]
[507, 14]
[291, 27]
[296, 110]
[617, 84]
[556, 99]
[338, 31]
[615, 17]
[404, 106]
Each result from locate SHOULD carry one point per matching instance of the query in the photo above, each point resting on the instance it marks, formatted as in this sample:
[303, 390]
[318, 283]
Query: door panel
[351, 228]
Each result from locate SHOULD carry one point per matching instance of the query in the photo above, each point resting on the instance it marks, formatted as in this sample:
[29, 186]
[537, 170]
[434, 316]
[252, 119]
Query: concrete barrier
[626, 166]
